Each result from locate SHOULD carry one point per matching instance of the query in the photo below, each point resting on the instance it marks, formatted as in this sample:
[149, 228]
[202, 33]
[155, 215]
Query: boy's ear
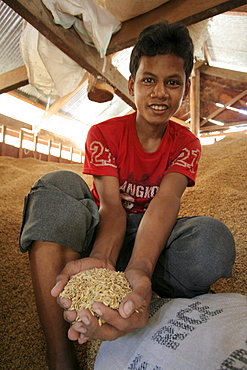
[131, 86]
[187, 89]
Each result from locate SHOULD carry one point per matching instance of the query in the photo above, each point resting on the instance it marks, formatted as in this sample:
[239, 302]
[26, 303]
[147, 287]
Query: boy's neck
[150, 136]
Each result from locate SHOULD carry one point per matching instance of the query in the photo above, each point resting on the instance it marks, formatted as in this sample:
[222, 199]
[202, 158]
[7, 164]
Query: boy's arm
[112, 223]
[157, 224]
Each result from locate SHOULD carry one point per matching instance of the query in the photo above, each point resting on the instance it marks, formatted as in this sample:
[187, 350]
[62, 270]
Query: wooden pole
[20, 144]
[60, 152]
[195, 102]
[35, 142]
[71, 153]
[3, 139]
[49, 150]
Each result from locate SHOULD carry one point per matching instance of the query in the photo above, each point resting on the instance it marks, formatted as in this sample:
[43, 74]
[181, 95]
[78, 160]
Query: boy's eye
[173, 82]
[148, 80]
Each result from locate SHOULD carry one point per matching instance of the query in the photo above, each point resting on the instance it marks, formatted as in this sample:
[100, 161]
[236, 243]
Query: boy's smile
[159, 88]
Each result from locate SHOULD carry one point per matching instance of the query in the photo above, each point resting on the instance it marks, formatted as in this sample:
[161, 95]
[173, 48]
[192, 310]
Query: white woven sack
[208, 332]
[64, 71]
[94, 24]
[38, 75]
[50, 70]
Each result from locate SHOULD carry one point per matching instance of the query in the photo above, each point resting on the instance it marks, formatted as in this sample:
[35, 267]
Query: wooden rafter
[38, 105]
[55, 107]
[185, 11]
[224, 73]
[228, 104]
[13, 79]
[180, 121]
[213, 128]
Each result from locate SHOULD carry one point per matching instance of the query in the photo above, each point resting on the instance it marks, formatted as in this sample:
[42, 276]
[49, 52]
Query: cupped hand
[132, 314]
[70, 269]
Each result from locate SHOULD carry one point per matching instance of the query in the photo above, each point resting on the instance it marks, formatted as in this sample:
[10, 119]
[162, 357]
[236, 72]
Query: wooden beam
[185, 11]
[35, 104]
[13, 79]
[242, 10]
[25, 98]
[223, 133]
[199, 63]
[180, 121]
[228, 104]
[59, 103]
[224, 73]
[70, 43]
[13, 123]
[221, 128]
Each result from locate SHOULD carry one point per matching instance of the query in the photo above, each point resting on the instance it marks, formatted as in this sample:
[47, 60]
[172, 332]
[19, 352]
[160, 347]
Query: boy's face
[159, 88]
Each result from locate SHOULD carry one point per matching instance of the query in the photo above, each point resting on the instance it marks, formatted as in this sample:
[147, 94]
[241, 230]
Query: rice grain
[96, 285]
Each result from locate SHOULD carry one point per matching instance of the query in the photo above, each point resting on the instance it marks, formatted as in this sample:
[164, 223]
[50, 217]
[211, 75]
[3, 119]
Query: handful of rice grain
[96, 285]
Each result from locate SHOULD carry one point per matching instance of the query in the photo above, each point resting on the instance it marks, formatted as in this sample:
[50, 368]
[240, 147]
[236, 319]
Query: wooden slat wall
[22, 152]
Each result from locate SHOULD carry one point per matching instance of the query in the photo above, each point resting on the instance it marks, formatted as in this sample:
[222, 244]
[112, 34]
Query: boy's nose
[159, 91]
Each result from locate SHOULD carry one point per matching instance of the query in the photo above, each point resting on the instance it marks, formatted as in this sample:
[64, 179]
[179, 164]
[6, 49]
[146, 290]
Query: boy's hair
[160, 39]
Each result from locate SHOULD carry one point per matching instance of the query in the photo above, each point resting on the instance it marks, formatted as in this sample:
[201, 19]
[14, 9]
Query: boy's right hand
[72, 268]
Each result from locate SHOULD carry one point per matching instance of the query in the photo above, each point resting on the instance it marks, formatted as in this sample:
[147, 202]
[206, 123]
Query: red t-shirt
[113, 149]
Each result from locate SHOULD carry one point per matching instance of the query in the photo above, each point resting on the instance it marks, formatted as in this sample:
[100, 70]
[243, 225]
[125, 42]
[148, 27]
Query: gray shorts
[59, 208]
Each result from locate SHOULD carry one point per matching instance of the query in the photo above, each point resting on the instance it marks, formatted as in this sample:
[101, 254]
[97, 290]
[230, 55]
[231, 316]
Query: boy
[141, 165]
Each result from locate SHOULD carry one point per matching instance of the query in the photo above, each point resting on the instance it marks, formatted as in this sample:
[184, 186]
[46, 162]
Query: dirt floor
[220, 191]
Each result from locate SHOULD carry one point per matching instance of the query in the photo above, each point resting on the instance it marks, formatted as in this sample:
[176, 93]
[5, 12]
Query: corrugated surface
[10, 31]
[227, 43]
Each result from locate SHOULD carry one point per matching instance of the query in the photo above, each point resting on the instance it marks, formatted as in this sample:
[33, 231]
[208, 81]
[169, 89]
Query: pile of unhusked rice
[96, 285]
